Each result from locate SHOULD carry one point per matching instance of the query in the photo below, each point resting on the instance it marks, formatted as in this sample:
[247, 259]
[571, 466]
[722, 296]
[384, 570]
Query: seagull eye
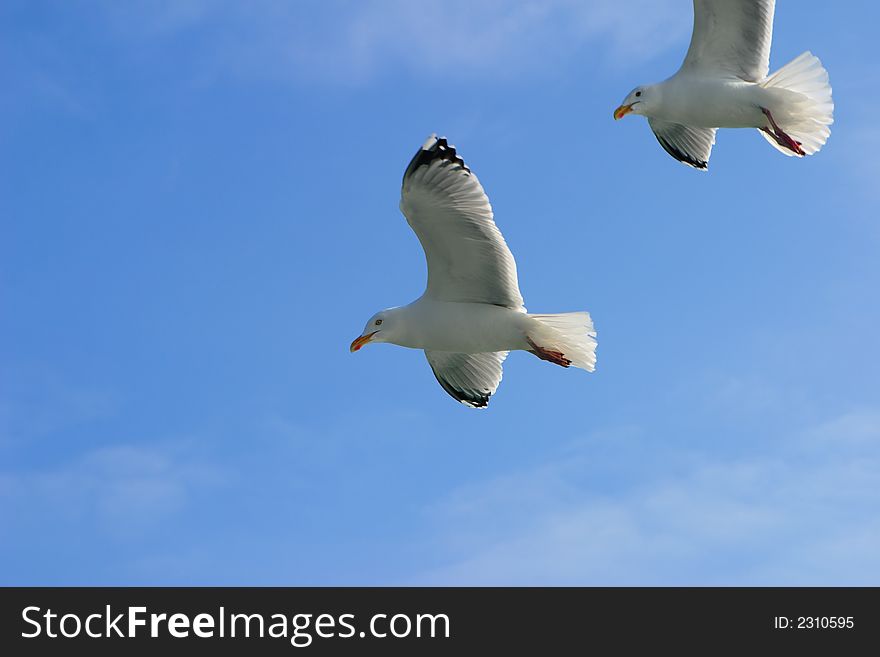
[638, 93]
[378, 322]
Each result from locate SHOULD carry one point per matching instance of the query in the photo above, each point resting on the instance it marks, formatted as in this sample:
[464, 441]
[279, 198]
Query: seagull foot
[550, 355]
[780, 136]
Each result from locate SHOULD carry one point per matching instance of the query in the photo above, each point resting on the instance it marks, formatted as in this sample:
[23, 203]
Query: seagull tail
[801, 103]
[571, 335]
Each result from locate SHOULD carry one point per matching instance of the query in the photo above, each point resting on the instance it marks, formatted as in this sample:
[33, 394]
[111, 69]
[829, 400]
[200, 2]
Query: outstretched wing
[469, 378]
[444, 203]
[732, 37]
[685, 143]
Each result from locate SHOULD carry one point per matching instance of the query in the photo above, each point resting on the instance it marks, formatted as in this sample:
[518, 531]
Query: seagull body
[725, 103]
[464, 327]
[471, 314]
[723, 83]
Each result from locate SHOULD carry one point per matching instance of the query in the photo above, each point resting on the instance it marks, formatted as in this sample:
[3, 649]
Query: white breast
[711, 102]
[463, 327]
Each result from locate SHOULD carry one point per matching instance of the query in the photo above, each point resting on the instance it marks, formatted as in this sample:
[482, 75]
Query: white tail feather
[570, 333]
[802, 106]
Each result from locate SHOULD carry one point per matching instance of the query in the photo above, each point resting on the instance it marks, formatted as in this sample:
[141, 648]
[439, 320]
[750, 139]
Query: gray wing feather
[732, 36]
[444, 203]
[469, 378]
[687, 144]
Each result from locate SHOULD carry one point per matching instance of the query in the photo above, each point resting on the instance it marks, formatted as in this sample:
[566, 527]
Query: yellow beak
[622, 111]
[361, 341]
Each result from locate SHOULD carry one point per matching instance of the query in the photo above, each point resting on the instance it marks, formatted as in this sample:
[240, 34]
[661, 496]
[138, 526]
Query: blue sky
[198, 204]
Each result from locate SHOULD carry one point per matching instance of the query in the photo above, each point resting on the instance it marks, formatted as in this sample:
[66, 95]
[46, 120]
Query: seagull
[471, 314]
[723, 83]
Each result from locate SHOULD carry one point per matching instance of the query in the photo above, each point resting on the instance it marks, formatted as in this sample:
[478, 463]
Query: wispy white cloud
[859, 428]
[119, 490]
[805, 513]
[37, 401]
[352, 42]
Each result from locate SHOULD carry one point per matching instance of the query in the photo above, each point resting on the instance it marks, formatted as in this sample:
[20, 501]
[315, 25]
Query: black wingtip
[435, 148]
[681, 156]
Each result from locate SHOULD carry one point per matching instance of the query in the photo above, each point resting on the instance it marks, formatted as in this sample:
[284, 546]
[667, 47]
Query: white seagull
[471, 314]
[723, 83]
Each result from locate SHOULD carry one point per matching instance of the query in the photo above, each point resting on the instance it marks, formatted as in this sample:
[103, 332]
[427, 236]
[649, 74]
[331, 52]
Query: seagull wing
[469, 378]
[685, 143]
[444, 203]
[731, 37]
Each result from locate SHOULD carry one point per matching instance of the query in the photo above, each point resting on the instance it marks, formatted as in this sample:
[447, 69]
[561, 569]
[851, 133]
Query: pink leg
[555, 357]
[780, 136]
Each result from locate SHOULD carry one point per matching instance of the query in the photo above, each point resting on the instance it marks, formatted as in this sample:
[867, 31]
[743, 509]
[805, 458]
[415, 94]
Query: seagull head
[639, 101]
[380, 328]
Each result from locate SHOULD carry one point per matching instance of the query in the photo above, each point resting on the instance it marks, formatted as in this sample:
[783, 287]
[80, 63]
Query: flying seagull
[723, 83]
[471, 314]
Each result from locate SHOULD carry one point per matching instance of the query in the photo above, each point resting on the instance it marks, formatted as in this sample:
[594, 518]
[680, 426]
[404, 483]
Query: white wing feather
[732, 37]
[444, 203]
[685, 143]
[469, 378]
